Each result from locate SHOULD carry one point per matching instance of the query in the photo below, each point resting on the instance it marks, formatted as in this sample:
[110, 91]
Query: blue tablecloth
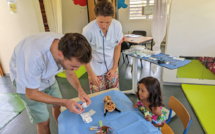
[173, 63]
[129, 121]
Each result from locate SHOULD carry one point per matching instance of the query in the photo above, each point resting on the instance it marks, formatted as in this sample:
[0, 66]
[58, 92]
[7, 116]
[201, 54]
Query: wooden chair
[181, 112]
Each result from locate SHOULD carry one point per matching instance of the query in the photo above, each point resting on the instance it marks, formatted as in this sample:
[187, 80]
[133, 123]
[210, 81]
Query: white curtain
[159, 22]
[53, 10]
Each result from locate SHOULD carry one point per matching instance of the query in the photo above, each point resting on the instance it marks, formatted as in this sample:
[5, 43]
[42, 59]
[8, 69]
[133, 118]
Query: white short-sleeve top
[100, 44]
[32, 64]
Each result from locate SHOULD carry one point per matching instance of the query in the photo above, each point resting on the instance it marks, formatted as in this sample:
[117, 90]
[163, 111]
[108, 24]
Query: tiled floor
[22, 125]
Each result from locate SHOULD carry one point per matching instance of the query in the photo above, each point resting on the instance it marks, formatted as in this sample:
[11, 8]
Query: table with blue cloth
[129, 121]
[173, 63]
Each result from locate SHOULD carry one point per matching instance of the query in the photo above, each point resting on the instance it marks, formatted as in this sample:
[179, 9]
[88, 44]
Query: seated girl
[150, 101]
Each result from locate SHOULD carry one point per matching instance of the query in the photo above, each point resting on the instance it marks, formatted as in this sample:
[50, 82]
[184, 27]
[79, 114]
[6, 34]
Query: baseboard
[6, 74]
[172, 83]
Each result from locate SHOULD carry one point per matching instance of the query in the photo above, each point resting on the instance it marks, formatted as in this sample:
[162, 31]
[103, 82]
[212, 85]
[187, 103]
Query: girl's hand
[148, 118]
[110, 73]
[95, 80]
[159, 125]
[135, 106]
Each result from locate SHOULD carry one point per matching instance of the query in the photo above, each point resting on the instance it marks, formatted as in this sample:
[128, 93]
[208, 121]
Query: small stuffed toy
[109, 105]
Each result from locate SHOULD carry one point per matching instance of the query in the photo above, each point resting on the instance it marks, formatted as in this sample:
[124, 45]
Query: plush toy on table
[109, 105]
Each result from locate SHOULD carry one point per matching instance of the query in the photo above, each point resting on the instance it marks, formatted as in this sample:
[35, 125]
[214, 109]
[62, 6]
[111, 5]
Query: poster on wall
[12, 6]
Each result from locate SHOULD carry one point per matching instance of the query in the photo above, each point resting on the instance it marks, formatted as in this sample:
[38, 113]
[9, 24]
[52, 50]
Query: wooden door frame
[1, 71]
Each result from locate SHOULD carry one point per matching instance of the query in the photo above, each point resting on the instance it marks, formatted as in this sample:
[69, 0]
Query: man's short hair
[75, 45]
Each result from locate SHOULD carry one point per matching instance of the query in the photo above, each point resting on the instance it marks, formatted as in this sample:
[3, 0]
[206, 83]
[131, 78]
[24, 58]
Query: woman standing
[105, 37]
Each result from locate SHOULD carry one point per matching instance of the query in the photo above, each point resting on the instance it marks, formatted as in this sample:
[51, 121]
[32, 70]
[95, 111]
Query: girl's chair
[181, 112]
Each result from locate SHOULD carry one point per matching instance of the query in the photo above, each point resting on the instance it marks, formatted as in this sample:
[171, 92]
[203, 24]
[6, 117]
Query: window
[135, 10]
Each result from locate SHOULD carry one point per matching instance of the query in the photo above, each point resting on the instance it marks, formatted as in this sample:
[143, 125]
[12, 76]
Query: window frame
[144, 3]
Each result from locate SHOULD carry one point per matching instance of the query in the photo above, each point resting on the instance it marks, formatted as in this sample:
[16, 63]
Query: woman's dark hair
[75, 45]
[104, 8]
[153, 87]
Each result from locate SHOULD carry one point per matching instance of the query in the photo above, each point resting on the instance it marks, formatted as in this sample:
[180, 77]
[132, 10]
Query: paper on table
[132, 35]
[138, 47]
[87, 116]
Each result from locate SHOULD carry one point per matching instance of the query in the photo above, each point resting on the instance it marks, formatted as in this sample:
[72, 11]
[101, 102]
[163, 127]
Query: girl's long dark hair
[153, 87]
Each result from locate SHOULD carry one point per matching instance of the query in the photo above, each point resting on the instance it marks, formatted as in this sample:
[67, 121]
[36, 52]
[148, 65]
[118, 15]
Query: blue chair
[181, 112]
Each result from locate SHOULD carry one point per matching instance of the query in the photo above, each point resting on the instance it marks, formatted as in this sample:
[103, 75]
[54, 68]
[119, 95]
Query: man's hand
[84, 97]
[71, 105]
[111, 73]
[74, 107]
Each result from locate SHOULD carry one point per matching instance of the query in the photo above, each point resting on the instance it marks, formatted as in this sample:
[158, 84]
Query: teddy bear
[109, 105]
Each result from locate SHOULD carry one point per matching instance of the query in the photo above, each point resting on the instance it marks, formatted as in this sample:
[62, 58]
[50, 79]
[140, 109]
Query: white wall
[74, 17]
[131, 25]
[38, 15]
[191, 32]
[15, 27]
[28, 21]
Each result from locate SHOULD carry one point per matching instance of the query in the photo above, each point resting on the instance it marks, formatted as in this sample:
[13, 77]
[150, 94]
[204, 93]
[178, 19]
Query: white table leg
[134, 78]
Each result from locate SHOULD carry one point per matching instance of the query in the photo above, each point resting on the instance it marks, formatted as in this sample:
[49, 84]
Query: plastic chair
[124, 46]
[181, 112]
